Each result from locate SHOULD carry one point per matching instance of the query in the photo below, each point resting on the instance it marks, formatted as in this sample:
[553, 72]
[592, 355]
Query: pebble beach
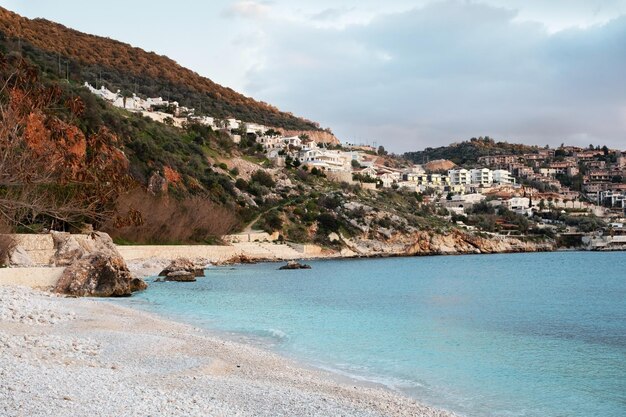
[85, 357]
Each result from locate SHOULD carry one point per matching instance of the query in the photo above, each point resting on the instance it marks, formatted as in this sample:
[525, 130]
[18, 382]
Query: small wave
[277, 334]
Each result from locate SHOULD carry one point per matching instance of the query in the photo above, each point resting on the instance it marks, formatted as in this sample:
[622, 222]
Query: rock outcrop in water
[294, 265]
[180, 276]
[183, 265]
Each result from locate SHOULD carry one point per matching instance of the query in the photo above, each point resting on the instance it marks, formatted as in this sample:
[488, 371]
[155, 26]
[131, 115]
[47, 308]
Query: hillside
[70, 160]
[467, 153]
[59, 50]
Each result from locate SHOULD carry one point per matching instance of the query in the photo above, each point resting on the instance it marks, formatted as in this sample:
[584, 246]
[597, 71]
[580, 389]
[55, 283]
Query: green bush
[263, 178]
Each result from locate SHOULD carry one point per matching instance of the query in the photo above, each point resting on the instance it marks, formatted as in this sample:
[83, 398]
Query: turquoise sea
[540, 334]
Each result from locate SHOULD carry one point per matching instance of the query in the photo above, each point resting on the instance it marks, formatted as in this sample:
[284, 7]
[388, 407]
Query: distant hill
[468, 152]
[65, 52]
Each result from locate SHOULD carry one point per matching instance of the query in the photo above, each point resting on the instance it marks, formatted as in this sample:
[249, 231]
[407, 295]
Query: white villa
[480, 176]
[459, 176]
[134, 103]
[502, 176]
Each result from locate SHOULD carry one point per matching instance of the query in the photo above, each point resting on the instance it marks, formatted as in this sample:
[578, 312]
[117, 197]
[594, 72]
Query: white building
[517, 203]
[271, 142]
[468, 198]
[459, 176]
[233, 123]
[482, 176]
[326, 159]
[502, 176]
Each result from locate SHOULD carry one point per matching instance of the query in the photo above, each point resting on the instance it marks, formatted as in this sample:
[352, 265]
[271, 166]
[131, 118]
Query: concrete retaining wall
[306, 250]
[252, 237]
[212, 253]
[36, 277]
[40, 248]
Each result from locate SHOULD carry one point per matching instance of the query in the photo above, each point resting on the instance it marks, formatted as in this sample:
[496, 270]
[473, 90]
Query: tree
[542, 204]
[355, 164]
[382, 151]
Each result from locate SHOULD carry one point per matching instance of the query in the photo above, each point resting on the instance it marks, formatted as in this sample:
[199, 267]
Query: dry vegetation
[145, 218]
[88, 50]
[49, 169]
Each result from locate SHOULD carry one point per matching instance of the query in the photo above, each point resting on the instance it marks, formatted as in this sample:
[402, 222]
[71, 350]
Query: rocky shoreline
[68, 357]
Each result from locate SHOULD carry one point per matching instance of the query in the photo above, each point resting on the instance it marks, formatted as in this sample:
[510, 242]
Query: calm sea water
[491, 335]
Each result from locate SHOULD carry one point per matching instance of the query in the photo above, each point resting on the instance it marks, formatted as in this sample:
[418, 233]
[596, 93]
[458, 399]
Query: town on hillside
[573, 180]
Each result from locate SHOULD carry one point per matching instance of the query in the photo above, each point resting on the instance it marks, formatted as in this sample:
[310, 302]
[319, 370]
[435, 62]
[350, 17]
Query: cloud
[449, 71]
[248, 9]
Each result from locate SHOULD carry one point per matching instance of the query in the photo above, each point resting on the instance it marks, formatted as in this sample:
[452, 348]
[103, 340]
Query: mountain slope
[60, 50]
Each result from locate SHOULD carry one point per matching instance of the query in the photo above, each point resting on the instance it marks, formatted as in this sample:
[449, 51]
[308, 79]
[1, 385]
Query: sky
[402, 74]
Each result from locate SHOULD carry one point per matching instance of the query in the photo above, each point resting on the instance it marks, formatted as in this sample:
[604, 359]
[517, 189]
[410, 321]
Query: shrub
[144, 218]
[263, 178]
[328, 223]
[272, 222]
[330, 201]
[241, 184]
[297, 233]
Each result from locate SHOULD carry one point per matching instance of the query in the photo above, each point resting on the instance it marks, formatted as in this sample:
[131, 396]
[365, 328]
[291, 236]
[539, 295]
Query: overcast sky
[406, 74]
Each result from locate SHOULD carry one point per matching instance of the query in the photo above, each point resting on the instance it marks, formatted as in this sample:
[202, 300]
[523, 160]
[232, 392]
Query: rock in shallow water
[180, 276]
[294, 265]
[183, 265]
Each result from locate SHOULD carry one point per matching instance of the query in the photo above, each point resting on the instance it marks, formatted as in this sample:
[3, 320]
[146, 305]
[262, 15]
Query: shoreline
[66, 357]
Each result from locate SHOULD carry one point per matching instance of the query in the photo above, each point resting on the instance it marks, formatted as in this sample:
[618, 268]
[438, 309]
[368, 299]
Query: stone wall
[251, 237]
[35, 277]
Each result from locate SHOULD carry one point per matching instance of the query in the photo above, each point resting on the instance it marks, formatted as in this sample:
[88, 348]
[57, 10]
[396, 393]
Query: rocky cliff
[319, 136]
[453, 242]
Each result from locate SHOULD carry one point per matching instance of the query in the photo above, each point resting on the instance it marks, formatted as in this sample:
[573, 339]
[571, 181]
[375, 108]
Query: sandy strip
[84, 357]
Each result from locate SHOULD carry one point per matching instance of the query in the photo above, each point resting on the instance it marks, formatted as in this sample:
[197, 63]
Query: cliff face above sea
[453, 242]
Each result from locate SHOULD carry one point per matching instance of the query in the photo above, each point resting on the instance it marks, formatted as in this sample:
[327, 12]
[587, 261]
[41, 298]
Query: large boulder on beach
[98, 275]
[69, 247]
[95, 268]
[183, 265]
